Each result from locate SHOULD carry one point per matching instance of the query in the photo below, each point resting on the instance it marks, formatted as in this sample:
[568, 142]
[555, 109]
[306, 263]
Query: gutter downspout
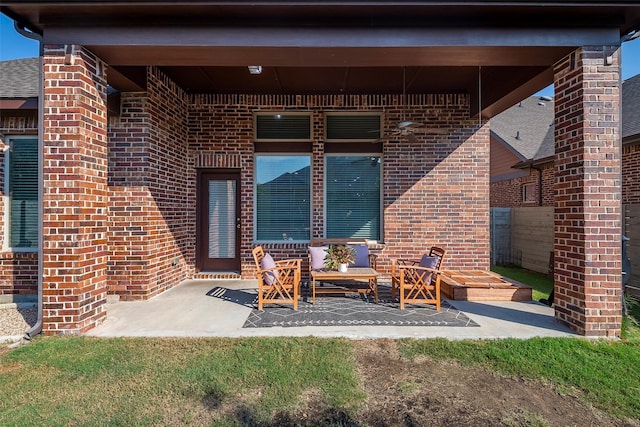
[22, 30]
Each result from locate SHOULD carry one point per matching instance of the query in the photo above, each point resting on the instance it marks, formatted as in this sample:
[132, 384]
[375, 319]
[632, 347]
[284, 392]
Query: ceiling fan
[407, 128]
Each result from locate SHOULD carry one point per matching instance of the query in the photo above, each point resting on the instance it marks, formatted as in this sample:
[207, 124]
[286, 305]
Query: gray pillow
[429, 261]
[317, 253]
[268, 276]
[361, 258]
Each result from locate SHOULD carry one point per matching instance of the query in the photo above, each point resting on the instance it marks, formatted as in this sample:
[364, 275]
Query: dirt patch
[423, 392]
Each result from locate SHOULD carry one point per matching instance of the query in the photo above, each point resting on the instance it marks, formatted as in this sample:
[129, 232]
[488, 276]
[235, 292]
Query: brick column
[74, 200]
[587, 192]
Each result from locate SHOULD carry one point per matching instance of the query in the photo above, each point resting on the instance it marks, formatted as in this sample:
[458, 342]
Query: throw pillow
[361, 258]
[317, 254]
[429, 261]
[268, 276]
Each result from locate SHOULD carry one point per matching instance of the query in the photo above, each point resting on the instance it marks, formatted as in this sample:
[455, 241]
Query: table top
[352, 272]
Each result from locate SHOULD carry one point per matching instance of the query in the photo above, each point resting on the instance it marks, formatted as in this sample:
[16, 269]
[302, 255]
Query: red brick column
[587, 192]
[74, 200]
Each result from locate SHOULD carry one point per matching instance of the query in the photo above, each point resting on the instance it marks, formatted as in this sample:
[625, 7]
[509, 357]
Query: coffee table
[361, 280]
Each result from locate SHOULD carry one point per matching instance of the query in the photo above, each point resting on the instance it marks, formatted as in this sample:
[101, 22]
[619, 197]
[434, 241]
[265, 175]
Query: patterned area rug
[356, 309]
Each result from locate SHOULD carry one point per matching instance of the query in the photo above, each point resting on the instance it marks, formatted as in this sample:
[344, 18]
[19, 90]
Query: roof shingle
[631, 107]
[19, 78]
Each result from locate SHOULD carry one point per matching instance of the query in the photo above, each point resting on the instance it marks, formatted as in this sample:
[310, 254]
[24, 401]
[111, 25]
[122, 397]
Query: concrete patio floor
[191, 309]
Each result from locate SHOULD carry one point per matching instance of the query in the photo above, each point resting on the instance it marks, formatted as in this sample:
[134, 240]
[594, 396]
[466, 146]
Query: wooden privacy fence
[529, 240]
[524, 236]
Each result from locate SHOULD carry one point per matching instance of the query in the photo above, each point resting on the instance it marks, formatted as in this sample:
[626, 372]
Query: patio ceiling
[505, 50]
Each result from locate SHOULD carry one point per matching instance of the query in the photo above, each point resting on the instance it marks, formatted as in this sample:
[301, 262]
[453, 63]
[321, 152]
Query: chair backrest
[439, 253]
[258, 254]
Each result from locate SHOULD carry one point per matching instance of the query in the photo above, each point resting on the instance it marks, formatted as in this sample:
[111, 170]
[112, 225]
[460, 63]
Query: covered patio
[164, 150]
[221, 308]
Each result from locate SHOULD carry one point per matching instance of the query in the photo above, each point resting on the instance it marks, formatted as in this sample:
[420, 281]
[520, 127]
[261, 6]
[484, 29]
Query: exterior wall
[548, 184]
[149, 246]
[630, 174]
[587, 259]
[124, 220]
[18, 270]
[433, 194]
[74, 253]
[508, 193]
[501, 161]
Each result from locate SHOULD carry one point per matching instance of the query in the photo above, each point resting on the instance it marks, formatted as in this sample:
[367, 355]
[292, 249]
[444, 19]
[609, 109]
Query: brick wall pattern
[119, 204]
[508, 193]
[75, 190]
[587, 194]
[630, 174]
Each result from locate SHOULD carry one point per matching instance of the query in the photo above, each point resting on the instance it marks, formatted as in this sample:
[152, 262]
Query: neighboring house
[522, 151]
[523, 174]
[631, 141]
[19, 83]
[177, 136]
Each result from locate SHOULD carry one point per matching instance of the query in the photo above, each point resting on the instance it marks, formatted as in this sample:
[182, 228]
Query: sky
[15, 46]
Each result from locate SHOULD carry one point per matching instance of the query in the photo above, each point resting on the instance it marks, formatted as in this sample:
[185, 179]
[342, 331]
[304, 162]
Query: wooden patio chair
[278, 281]
[418, 281]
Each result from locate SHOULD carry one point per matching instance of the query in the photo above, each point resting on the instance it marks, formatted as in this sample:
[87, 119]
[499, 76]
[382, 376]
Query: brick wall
[162, 137]
[75, 190]
[148, 237]
[508, 193]
[18, 275]
[168, 183]
[434, 193]
[129, 199]
[631, 174]
[19, 270]
[587, 194]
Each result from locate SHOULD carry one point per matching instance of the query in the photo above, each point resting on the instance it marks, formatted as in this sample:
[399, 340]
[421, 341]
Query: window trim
[309, 114]
[381, 189]
[353, 113]
[6, 246]
[255, 197]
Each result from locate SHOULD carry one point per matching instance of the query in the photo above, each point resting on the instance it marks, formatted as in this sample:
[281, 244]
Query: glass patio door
[218, 227]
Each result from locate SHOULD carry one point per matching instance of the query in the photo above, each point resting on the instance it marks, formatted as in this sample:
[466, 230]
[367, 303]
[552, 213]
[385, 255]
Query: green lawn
[541, 283]
[150, 381]
[84, 381]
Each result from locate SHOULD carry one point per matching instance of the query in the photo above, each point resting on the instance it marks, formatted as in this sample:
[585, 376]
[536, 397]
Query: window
[21, 193]
[528, 193]
[352, 127]
[352, 196]
[280, 126]
[282, 197]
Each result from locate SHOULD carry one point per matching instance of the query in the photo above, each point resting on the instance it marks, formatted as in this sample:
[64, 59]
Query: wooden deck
[481, 285]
